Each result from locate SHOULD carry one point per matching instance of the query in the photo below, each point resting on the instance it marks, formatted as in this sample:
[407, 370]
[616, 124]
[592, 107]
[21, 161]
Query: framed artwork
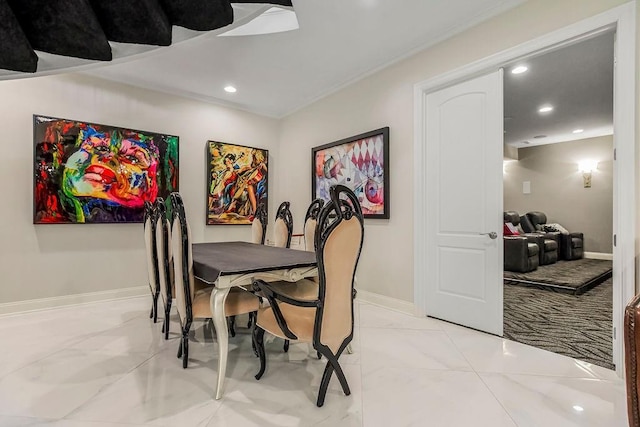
[93, 173]
[361, 163]
[236, 184]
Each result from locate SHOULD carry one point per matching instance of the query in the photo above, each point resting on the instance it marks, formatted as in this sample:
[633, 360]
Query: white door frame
[624, 119]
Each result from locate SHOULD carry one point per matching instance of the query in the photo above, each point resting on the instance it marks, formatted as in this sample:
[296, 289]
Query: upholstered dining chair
[283, 226]
[310, 221]
[326, 319]
[259, 225]
[193, 303]
[165, 262]
[152, 259]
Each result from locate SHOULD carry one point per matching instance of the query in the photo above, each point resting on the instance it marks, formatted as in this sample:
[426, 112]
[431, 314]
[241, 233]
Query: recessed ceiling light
[578, 408]
[578, 131]
[545, 109]
[230, 89]
[519, 69]
[540, 136]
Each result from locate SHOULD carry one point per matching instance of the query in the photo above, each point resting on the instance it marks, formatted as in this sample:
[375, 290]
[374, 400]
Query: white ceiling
[577, 80]
[338, 42]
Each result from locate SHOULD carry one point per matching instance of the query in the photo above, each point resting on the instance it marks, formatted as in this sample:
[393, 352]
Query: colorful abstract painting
[237, 182]
[92, 173]
[361, 163]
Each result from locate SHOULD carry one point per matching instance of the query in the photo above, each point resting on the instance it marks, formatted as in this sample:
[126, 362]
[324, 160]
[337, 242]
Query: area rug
[576, 276]
[578, 326]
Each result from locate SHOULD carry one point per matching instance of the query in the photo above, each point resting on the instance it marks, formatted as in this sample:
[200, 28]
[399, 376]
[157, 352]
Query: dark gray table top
[211, 260]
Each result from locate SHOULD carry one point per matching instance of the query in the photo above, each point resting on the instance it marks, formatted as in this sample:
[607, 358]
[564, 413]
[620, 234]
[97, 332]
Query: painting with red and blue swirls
[93, 173]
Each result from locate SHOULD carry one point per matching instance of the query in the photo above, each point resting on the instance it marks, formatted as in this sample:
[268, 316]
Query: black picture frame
[360, 162]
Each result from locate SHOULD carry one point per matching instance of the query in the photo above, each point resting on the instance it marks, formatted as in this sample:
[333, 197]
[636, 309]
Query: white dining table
[228, 264]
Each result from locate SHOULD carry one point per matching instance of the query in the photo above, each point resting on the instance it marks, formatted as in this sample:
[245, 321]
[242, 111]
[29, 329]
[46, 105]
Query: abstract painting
[361, 163]
[237, 182]
[93, 173]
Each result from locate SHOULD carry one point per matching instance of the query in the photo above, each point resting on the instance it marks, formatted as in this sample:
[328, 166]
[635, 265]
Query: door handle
[492, 235]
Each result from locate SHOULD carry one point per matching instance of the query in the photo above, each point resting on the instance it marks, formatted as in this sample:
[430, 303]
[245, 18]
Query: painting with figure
[359, 162]
[93, 173]
[237, 182]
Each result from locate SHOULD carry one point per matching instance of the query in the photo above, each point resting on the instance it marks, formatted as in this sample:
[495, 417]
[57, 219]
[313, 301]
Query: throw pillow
[510, 229]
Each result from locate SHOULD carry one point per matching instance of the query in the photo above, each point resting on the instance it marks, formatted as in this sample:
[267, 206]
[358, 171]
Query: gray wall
[557, 187]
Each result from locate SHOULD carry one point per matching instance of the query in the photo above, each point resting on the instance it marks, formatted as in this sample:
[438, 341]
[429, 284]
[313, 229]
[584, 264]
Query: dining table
[225, 265]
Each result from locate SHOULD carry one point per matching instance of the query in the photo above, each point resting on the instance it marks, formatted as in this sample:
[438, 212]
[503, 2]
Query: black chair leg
[185, 355]
[340, 374]
[151, 314]
[232, 326]
[167, 314]
[286, 346]
[324, 384]
[154, 309]
[252, 319]
[180, 349]
[258, 343]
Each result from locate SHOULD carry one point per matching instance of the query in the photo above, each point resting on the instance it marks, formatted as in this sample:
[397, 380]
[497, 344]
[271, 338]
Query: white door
[464, 203]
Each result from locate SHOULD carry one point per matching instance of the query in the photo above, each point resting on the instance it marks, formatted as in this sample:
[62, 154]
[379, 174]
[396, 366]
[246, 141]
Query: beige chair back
[257, 235]
[341, 252]
[149, 245]
[309, 234]
[339, 243]
[181, 248]
[283, 228]
[165, 259]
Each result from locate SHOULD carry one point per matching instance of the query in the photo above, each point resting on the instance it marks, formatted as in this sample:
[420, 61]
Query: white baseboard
[54, 302]
[387, 302]
[598, 255]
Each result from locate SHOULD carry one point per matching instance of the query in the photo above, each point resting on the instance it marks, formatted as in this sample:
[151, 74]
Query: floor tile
[372, 316]
[559, 401]
[415, 397]
[408, 348]
[58, 384]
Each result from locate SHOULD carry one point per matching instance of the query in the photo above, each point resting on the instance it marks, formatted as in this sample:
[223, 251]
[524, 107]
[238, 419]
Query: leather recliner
[520, 254]
[547, 243]
[571, 245]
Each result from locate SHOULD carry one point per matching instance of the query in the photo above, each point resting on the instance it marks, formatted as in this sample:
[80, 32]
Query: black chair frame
[150, 215]
[331, 215]
[161, 211]
[284, 213]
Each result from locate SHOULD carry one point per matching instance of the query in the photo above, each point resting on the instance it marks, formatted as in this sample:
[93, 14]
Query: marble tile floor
[106, 364]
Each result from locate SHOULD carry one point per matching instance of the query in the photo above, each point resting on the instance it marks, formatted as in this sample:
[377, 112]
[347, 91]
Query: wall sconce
[586, 167]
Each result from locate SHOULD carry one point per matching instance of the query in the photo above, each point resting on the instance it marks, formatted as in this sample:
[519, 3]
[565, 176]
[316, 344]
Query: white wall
[557, 188]
[56, 260]
[386, 99]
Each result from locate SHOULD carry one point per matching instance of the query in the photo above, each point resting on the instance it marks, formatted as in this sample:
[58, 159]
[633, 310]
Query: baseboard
[598, 255]
[54, 302]
[387, 302]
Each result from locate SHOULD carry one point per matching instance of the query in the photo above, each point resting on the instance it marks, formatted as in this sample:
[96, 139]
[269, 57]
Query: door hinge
[615, 239]
[615, 157]
[614, 333]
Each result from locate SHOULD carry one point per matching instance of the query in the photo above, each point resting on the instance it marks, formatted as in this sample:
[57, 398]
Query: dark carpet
[578, 326]
[576, 276]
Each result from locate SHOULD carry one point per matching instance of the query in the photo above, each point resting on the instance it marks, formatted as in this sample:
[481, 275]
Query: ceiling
[338, 42]
[577, 80]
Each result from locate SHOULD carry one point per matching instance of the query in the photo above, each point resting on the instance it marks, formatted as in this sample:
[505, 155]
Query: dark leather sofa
[548, 243]
[571, 246]
[520, 254]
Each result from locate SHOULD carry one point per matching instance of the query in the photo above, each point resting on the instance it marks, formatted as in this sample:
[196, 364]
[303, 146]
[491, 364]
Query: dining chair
[283, 226]
[310, 221]
[325, 320]
[152, 259]
[193, 304]
[259, 225]
[165, 260]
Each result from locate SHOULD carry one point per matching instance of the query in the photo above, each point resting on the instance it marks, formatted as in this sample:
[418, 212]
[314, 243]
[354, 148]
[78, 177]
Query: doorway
[622, 20]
